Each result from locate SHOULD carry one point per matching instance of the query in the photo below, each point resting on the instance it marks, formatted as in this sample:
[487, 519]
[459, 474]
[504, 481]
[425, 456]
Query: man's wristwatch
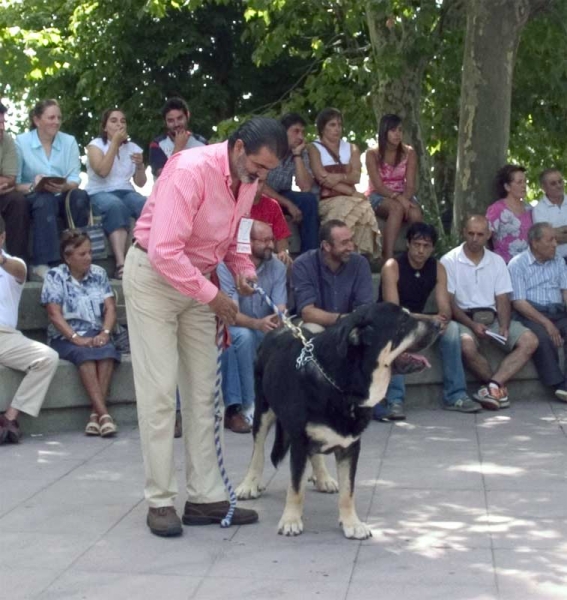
[31, 188]
[75, 334]
[107, 331]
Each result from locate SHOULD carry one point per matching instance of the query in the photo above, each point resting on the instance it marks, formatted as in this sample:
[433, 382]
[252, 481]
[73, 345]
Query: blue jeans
[117, 207]
[454, 382]
[308, 204]
[238, 366]
[45, 208]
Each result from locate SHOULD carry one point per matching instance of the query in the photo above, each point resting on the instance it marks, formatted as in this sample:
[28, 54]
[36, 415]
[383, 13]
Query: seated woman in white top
[336, 166]
[112, 160]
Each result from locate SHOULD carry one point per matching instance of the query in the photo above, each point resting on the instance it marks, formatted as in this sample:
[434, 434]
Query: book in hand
[496, 336]
[41, 184]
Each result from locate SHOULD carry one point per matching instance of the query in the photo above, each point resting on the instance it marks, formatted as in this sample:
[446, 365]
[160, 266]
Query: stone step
[67, 406]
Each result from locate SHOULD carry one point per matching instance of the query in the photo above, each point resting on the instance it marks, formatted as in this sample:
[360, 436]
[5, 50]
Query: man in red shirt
[195, 218]
[268, 210]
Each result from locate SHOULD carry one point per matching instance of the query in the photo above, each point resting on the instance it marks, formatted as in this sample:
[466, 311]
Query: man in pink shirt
[188, 226]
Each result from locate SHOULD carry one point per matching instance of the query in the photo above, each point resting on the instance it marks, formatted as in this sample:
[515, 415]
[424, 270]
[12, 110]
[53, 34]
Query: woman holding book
[49, 168]
[112, 162]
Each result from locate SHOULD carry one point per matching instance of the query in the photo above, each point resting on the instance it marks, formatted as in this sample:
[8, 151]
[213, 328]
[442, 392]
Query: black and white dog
[325, 407]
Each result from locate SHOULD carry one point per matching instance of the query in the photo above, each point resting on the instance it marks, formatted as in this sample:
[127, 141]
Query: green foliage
[233, 58]
[134, 54]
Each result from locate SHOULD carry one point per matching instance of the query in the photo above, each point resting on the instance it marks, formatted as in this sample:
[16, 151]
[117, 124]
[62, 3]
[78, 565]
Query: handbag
[94, 231]
[120, 339]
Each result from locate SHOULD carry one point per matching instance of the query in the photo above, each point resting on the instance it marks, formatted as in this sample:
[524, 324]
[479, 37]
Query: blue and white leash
[227, 521]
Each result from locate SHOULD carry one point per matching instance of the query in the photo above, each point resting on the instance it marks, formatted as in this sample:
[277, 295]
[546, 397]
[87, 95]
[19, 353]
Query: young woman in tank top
[392, 170]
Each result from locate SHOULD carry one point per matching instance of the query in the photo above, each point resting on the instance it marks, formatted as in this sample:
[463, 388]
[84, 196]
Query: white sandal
[92, 428]
[108, 428]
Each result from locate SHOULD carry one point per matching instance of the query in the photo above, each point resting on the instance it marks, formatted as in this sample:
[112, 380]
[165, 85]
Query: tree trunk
[399, 89]
[492, 36]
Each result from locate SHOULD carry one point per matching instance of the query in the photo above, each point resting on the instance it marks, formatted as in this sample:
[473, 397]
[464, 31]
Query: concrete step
[67, 405]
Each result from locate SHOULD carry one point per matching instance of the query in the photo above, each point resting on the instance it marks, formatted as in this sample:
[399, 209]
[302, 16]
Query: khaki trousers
[172, 339]
[38, 362]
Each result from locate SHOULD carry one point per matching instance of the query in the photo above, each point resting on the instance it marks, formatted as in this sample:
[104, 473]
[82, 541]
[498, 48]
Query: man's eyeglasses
[264, 240]
[555, 182]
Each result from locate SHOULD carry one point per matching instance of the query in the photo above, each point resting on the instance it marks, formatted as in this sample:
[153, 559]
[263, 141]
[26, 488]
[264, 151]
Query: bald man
[253, 320]
[479, 286]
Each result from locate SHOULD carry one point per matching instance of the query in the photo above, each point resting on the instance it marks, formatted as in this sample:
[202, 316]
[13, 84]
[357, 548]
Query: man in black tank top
[408, 280]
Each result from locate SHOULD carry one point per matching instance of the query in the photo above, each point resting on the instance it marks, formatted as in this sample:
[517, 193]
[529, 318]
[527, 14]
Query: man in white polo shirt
[479, 284]
[552, 208]
[37, 361]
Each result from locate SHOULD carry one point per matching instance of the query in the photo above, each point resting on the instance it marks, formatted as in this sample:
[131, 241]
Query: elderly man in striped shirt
[195, 217]
[539, 279]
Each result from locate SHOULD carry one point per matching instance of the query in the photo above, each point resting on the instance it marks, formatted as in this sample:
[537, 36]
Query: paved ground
[461, 507]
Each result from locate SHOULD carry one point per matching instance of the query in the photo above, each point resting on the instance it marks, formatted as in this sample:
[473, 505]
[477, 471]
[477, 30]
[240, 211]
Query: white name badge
[243, 236]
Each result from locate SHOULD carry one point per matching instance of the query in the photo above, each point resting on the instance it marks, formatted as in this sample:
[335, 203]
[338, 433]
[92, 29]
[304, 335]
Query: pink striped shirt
[189, 222]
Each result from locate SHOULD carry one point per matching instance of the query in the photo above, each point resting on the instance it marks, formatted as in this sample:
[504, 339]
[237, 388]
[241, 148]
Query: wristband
[107, 331]
[4, 258]
[297, 156]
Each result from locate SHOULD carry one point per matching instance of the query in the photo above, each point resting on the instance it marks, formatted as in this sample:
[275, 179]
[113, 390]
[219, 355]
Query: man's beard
[243, 175]
[266, 256]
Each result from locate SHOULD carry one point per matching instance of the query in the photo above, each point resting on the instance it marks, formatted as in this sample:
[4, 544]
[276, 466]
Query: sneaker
[504, 402]
[465, 405]
[561, 392]
[492, 397]
[215, 512]
[396, 412]
[164, 521]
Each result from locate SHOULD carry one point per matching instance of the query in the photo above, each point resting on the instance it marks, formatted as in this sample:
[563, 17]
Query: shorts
[514, 333]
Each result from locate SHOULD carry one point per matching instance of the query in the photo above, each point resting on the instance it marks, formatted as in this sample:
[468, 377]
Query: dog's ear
[359, 334]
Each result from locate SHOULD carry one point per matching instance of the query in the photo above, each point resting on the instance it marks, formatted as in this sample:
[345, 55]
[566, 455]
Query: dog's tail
[281, 445]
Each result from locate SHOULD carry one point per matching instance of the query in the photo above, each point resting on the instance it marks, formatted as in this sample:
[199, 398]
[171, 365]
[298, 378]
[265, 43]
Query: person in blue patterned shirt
[82, 313]
[539, 280]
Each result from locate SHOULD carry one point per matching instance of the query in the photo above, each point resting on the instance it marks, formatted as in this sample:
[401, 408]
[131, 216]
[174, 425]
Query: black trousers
[546, 357]
[14, 209]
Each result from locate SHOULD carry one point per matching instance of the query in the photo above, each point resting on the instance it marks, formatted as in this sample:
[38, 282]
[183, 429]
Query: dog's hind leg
[321, 478]
[347, 460]
[251, 486]
[291, 522]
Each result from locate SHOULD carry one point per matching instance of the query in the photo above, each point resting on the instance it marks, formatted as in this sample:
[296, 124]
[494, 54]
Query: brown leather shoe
[237, 423]
[9, 430]
[164, 521]
[215, 512]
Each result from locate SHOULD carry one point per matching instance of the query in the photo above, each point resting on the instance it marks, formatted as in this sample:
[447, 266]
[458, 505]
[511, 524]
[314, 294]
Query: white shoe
[38, 272]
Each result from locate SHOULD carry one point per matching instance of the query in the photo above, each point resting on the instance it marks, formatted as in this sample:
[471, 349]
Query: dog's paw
[325, 485]
[249, 490]
[356, 530]
[290, 526]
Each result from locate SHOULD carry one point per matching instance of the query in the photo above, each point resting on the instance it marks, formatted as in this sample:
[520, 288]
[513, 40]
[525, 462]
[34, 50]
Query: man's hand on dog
[268, 323]
[224, 308]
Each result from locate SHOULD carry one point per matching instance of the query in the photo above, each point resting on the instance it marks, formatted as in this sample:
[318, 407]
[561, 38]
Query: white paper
[496, 336]
[244, 229]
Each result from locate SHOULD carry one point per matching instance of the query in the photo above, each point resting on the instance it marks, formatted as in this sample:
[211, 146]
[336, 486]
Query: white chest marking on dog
[380, 377]
[328, 438]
